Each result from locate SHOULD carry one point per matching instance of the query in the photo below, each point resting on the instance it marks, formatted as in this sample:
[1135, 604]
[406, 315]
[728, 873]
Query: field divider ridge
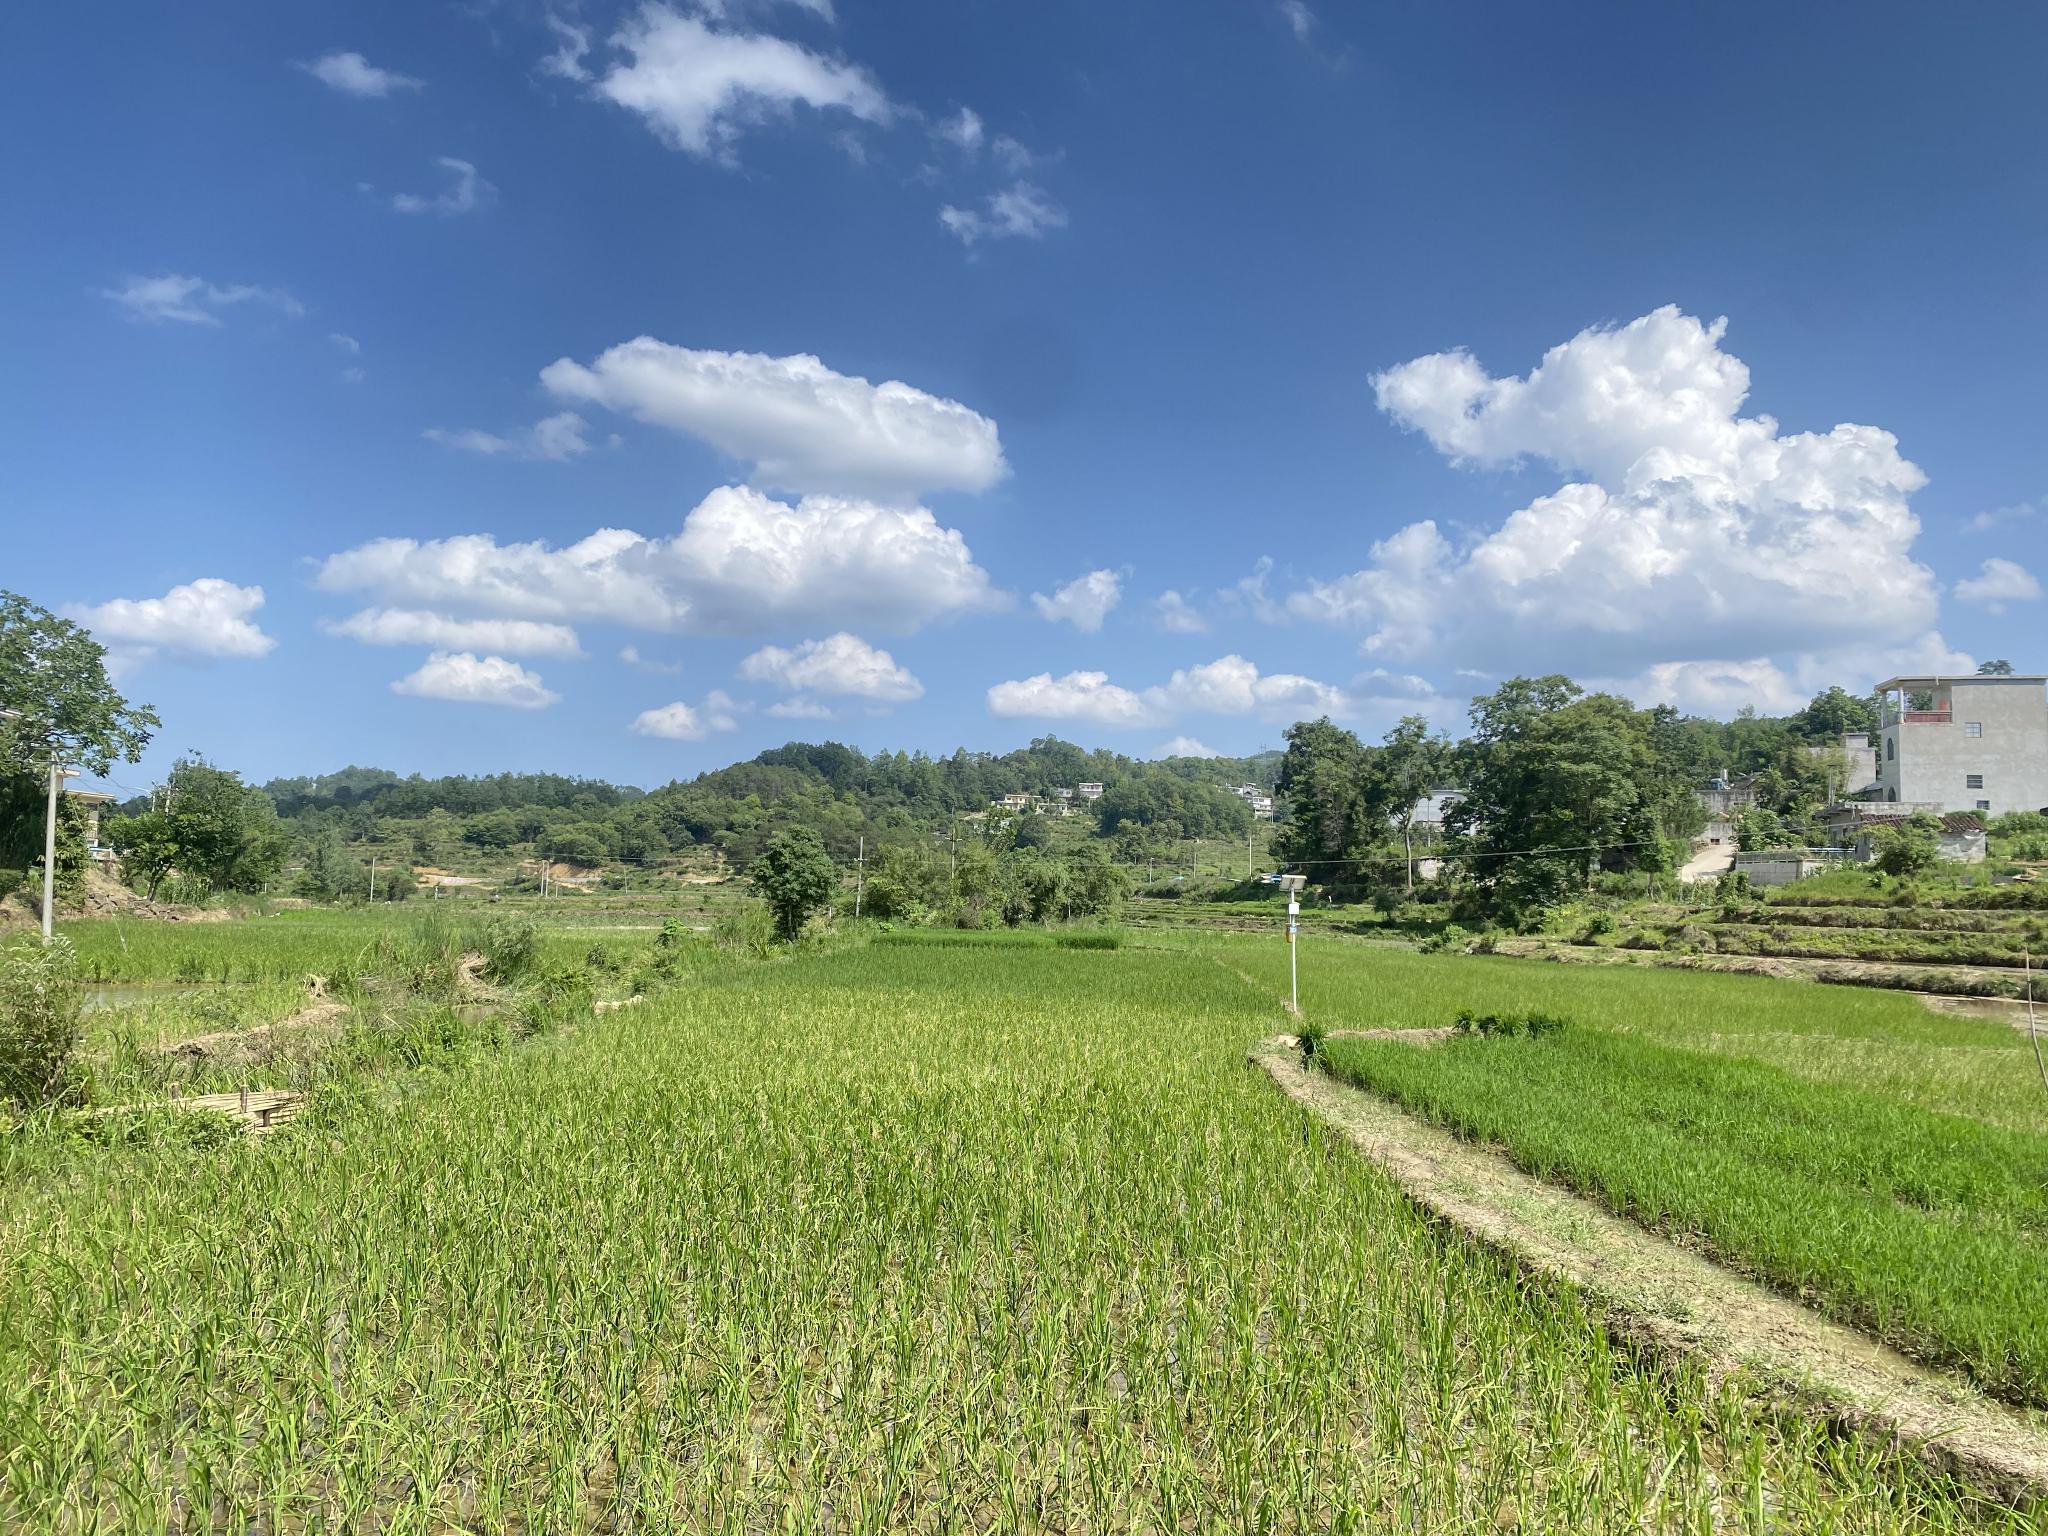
[1674, 1303]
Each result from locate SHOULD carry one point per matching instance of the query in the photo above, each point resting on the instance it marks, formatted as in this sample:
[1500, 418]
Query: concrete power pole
[860, 879]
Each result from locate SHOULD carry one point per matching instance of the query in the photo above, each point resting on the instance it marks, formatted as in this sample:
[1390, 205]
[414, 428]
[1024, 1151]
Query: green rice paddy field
[898, 1236]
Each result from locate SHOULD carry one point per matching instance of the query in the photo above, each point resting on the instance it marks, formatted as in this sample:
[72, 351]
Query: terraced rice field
[901, 1237]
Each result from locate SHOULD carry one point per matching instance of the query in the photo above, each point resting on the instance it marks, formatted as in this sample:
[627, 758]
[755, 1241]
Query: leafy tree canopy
[53, 676]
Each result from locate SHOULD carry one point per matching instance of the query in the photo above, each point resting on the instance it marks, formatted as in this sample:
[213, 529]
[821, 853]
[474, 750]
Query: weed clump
[510, 947]
[1314, 1041]
[1510, 1026]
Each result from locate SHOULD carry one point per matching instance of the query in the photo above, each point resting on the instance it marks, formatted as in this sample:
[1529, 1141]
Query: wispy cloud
[467, 192]
[553, 439]
[193, 300]
[353, 75]
[1020, 211]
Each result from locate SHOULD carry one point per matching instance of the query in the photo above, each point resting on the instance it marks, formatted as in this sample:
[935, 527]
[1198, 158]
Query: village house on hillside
[1724, 798]
[1255, 797]
[1964, 743]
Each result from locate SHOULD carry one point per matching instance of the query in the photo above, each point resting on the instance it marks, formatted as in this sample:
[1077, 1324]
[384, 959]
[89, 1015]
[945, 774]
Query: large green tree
[1336, 805]
[207, 825]
[796, 877]
[1555, 784]
[54, 685]
[1413, 762]
[56, 701]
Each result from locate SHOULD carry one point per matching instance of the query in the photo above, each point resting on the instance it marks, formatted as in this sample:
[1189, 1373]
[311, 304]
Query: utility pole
[1248, 831]
[373, 876]
[860, 879]
[58, 774]
[1292, 885]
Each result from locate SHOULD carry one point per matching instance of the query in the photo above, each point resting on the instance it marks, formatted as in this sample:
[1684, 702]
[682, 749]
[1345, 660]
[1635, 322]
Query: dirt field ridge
[1676, 1303]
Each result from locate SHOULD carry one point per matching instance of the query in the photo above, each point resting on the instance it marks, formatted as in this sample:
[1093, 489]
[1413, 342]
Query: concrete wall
[1776, 867]
[1931, 760]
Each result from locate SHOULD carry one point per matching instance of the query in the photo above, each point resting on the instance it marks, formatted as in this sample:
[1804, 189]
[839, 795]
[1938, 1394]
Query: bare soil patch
[1672, 1302]
[2002, 1010]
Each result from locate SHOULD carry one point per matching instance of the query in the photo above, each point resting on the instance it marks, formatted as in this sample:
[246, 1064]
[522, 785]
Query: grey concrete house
[1851, 765]
[1965, 743]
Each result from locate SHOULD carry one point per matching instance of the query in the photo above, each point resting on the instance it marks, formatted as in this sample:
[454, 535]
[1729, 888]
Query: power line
[1505, 853]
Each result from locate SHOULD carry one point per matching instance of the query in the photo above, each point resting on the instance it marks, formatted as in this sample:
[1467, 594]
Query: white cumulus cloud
[1088, 696]
[353, 75]
[742, 562]
[192, 300]
[1999, 581]
[803, 426]
[682, 722]
[200, 619]
[1720, 688]
[465, 193]
[699, 86]
[1690, 533]
[1083, 602]
[556, 438]
[1230, 685]
[438, 631]
[841, 664]
[1183, 746]
[464, 678]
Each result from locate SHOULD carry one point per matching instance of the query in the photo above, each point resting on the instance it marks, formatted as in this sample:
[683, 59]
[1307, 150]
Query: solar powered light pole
[1292, 885]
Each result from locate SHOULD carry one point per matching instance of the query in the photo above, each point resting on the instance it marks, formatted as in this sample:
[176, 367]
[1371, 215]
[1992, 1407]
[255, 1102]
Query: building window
[1891, 748]
[1973, 727]
[1973, 781]
[1983, 805]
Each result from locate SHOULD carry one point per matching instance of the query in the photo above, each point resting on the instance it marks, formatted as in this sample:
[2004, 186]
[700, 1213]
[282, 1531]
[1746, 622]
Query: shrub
[510, 947]
[41, 1003]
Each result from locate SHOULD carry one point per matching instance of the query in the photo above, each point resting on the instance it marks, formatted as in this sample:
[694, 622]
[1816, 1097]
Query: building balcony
[1919, 717]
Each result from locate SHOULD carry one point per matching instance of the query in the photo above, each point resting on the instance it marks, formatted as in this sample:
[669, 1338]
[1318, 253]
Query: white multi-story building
[1964, 743]
[1089, 791]
[1255, 797]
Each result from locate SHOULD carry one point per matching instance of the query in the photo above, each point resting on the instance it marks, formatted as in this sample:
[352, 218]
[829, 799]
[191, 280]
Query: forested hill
[838, 790]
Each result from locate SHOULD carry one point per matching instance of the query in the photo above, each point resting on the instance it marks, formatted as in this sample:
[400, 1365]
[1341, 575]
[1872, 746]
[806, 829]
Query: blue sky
[1139, 372]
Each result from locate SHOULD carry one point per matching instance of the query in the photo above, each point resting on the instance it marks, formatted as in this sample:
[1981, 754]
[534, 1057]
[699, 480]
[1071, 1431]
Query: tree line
[1551, 787]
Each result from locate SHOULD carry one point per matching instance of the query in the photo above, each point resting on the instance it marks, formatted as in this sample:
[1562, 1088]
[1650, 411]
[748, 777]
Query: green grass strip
[1924, 1229]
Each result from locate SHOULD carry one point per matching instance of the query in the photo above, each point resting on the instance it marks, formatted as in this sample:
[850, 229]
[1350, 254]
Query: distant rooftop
[1969, 677]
